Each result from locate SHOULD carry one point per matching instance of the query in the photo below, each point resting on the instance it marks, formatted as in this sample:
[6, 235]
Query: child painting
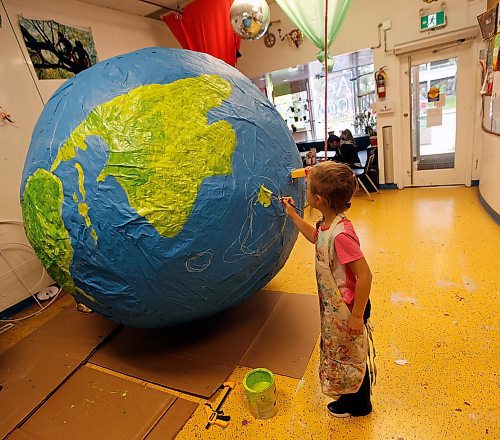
[344, 282]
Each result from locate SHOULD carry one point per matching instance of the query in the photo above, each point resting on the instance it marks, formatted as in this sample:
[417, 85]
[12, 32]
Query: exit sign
[432, 21]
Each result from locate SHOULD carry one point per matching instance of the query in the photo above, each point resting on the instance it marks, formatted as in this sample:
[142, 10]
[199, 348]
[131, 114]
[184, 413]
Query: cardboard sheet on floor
[286, 341]
[172, 422]
[195, 358]
[96, 405]
[36, 365]
[198, 357]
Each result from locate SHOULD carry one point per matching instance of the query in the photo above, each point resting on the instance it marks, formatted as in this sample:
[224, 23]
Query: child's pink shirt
[347, 250]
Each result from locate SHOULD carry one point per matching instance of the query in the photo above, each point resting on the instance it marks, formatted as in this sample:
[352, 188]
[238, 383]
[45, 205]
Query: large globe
[149, 187]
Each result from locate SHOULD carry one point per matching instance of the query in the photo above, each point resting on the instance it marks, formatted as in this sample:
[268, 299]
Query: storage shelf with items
[489, 23]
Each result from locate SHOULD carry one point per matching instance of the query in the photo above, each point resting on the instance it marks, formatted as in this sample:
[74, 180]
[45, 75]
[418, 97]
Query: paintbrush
[290, 203]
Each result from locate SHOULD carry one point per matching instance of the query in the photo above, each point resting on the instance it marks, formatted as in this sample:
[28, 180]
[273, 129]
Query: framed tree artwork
[57, 51]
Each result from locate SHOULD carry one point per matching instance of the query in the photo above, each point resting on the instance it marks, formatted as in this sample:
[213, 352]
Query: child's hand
[355, 325]
[287, 203]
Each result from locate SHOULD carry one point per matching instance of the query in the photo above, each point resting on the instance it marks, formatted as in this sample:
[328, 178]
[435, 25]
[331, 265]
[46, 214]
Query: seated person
[347, 152]
[347, 136]
[333, 142]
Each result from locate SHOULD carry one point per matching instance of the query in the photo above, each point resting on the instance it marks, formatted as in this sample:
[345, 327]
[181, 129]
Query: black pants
[361, 398]
[368, 311]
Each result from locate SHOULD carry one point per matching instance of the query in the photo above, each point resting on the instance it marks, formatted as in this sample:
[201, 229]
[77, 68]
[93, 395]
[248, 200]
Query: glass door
[434, 114]
[439, 122]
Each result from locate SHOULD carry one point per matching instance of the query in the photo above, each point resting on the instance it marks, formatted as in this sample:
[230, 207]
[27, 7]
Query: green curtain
[309, 17]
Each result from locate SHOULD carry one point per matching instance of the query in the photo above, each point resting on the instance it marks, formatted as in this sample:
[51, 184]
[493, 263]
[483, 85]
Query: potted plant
[372, 128]
[366, 122]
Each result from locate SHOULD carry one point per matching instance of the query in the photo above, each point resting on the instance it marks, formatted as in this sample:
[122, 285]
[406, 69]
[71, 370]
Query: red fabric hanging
[205, 27]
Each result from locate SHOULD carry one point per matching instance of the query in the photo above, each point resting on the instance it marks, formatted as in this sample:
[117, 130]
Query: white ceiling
[145, 8]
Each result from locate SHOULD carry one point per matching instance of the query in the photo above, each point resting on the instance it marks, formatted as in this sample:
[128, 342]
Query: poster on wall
[433, 94]
[488, 22]
[434, 117]
[57, 51]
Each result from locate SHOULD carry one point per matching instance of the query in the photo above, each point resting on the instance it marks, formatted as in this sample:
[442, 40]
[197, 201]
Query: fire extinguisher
[380, 77]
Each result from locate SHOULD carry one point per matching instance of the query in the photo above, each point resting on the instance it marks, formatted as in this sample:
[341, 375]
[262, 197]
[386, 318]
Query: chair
[360, 172]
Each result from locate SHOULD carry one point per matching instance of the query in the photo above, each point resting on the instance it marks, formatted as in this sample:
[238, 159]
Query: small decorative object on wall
[490, 91]
[57, 51]
[488, 75]
[295, 37]
[270, 38]
[488, 22]
[498, 18]
[250, 18]
[495, 61]
[5, 117]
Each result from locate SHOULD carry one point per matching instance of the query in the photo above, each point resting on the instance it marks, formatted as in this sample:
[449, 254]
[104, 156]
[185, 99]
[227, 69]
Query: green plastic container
[261, 393]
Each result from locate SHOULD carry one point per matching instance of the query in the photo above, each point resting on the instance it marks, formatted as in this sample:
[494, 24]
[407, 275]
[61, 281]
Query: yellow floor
[434, 256]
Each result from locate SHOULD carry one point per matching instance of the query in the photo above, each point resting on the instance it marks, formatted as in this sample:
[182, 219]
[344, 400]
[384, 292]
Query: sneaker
[341, 408]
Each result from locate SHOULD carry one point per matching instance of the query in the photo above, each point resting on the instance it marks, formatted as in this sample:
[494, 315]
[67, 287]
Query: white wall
[114, 32]
[24, 96]
[359, 31]
[489, 183]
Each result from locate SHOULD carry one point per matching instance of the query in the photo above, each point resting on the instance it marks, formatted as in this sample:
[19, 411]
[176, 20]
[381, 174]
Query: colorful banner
[57, 51]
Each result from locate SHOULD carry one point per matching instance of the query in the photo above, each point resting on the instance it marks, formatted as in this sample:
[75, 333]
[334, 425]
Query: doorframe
[465, 52]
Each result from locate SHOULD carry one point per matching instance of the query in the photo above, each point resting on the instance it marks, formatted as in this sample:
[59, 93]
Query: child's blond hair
[335, 182]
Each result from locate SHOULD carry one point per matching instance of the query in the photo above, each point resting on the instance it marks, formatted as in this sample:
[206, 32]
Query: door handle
[405, 115]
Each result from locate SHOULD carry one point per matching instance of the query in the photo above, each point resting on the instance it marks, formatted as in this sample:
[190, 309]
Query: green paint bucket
[261, 393]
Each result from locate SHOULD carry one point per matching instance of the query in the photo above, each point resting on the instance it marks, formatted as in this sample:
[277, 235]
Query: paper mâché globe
[146, 192]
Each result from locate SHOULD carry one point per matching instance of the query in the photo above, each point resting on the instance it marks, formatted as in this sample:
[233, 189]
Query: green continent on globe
[42, 215]
[161, 145]
[83, 208]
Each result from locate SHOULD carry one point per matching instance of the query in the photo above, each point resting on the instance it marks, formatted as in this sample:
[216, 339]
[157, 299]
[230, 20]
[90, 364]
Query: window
[446, 85]
[299, 94]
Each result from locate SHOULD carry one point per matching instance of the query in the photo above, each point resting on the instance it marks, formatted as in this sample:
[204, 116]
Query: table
[330, 154]
[362, 142]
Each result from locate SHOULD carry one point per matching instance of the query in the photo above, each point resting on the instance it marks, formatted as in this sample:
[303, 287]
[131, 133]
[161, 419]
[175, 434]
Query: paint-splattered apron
[343, 357]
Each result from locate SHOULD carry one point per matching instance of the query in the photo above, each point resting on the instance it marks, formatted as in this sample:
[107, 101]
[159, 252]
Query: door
[437, 118]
